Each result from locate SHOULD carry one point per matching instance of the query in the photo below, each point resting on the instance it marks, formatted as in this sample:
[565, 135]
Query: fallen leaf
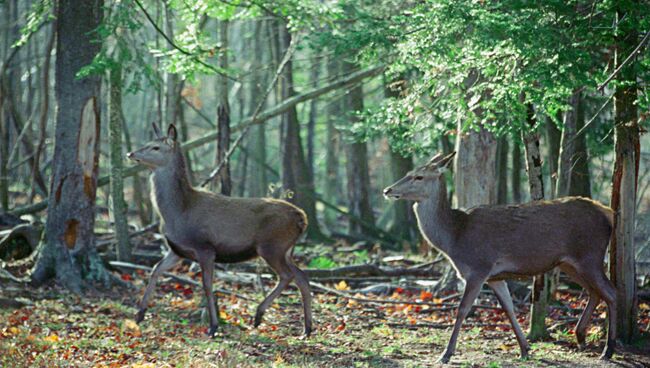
[52, 338]
[131, 326]
[342, 286]
[425, 295]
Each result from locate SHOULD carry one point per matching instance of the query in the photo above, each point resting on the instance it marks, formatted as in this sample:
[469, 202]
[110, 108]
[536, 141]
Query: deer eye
[419, 177]
[155, 148]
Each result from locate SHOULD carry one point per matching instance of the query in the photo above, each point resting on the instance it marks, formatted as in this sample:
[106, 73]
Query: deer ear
[156, 130]
[171, 132]
[434, 159]
[446, 161]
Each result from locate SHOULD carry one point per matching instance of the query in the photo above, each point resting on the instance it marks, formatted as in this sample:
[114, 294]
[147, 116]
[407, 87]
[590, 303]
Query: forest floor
[57, 328]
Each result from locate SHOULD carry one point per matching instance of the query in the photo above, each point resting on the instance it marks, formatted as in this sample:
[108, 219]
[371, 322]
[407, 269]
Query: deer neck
[171, 190]
[435, 218]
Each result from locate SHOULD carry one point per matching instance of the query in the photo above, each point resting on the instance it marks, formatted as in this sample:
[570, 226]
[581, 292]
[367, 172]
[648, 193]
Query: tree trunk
[624, 183]
[516, 173]
[119, 207]
[257, 146]
[553, 137]
[475, 168]
[404, 224]
[580, 177]
[567, 147]
[541, 284]
[43, 118]
[223, 113]
[295, 174]
[502, 170]
[67, 251]
[141, 201]
[311, 122]
[331, 189]
[356, 166]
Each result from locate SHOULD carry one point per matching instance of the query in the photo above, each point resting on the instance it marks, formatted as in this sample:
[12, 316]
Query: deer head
[415, 185]
[157, 152]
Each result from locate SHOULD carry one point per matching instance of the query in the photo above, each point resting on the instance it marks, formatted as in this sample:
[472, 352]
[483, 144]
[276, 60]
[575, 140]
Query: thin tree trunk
[502, 170]
[580, 178]
[142, 202]
[223, 113]
[333, 141]
[311, 122]
[516, 173]
[45, 106]
[404, 222]
[119, 207]
[356, 166]
[622, 265]
[257, 146]
[567, 146]
[68, 248]
[540, 293]
[295, 175]
[553, 137]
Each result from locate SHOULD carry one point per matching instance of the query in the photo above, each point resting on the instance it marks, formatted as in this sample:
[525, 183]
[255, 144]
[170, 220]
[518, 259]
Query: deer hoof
[607, 353]
[580, 338]
[444, 358]
[307, 332]
[139, 317]
[258, 320]
[212, 331]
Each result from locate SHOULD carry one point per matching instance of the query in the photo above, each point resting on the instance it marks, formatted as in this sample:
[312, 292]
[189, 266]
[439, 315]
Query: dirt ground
[58, 329]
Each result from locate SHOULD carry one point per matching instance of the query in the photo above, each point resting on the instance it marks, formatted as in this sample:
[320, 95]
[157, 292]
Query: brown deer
[492, 243]
[207, 228]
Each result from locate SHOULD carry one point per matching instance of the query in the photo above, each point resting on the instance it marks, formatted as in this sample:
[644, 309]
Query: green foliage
[40, 13]
[477, 62]
[322, 263]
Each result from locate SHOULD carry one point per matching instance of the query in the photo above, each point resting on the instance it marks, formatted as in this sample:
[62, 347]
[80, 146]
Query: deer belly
[235, 254]
[508, 269]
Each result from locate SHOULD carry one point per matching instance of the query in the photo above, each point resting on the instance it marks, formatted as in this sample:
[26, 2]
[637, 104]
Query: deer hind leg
[594, 299]
[603, 286]
[301, 280]
[207, 273]
[163, 265]
[472, 289]
[279, 264]
[503, 294]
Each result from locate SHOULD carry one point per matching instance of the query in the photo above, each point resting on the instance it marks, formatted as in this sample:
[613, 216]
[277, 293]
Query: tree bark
[223, 113]
[624, 182]
[516, 173]
[580, 177]
[118, 206]
[404, 221]
[311, 122]
[475, 168]
[257, 146]
[567, 147]
[67, 251]
[541, 284]
[331, 190]
[45, 107]
[295, 174]
[502, 170]
[553, 137]
[356, 165]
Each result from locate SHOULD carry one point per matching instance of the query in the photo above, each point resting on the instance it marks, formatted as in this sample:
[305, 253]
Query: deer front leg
[207, 271]
[501, 291]
[163, 265]
[472, 289]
